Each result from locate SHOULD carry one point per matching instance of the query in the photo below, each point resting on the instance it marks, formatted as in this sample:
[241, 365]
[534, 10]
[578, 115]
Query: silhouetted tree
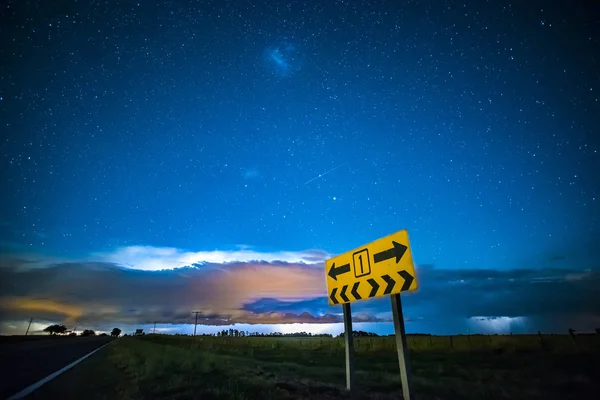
[115, 332]
[55, 329]
[88, 332]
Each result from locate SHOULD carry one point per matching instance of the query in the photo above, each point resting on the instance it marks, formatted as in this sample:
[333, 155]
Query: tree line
[62, 330]
[238, 333]
[58, 329]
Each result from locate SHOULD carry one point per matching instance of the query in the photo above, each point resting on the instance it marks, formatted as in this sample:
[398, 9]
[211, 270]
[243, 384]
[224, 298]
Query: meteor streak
[325, 173]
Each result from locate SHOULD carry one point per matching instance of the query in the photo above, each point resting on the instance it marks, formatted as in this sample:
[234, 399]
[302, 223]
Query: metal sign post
[349, 341]
[401, 345]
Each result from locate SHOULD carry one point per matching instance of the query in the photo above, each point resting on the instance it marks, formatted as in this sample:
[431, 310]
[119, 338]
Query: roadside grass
[159, 366]
[135, 369]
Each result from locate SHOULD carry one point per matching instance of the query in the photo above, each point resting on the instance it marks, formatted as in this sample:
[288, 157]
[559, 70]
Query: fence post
[541, 341]
[572, 334]
[451, 343]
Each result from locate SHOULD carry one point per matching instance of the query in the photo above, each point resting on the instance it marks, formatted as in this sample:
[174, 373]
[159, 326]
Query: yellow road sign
[380, 268]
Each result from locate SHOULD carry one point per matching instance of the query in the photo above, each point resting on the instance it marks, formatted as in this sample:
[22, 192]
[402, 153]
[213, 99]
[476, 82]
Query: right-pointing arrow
[390, 284]
[408, 279]
[374, 287]
[332, 296]
[396, 251]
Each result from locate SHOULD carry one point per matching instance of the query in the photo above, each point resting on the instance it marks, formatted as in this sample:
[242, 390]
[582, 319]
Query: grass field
[475, 367]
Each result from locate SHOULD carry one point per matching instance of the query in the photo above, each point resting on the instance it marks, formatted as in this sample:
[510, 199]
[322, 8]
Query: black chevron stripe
[332, 296]
[374, 287]
[354, 291]
[343, 294]
[390, 284]
[408, 279]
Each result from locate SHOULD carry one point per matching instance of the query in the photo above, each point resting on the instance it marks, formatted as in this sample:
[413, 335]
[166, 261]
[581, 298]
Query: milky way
[282, 60]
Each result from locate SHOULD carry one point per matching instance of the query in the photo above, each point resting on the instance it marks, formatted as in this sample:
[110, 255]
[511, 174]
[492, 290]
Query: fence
[416, 343]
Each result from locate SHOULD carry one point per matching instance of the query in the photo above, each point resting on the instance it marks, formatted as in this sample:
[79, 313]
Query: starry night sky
[294, 126]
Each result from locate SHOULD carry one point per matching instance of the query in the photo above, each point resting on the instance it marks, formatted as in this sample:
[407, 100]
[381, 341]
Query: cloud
[159, 258]
[275, 291]
[518, 292]
[98, 291]
[27, 305]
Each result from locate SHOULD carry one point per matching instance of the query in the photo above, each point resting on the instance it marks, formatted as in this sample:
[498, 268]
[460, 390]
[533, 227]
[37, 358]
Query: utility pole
[196, 323]
[28, 326]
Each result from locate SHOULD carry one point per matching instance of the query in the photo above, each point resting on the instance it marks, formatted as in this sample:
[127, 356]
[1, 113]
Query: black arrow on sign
[374, 286]
[354, 291]
[332, 296]
[397, 251]
[343, 294]
[408, 278]
[390, 284]
[342, 269]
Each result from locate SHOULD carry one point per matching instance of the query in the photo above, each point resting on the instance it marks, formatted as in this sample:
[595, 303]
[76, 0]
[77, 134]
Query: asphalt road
[26, 361]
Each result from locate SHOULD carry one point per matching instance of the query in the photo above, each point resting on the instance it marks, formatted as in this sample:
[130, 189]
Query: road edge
[31, 388]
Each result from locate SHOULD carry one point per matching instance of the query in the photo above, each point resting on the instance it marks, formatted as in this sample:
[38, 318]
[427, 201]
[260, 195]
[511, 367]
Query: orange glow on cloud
[71, 312]
[228, 290]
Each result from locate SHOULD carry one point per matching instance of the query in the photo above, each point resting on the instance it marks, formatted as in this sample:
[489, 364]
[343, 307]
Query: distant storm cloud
[142, 285]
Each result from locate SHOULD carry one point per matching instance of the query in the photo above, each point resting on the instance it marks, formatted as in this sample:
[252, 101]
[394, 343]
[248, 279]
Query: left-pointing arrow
[334, 272]
[397, 251]
[332, 296]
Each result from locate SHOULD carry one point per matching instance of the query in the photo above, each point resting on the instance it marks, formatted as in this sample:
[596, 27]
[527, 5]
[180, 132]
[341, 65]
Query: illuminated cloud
[497, 324]
[158, 258]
